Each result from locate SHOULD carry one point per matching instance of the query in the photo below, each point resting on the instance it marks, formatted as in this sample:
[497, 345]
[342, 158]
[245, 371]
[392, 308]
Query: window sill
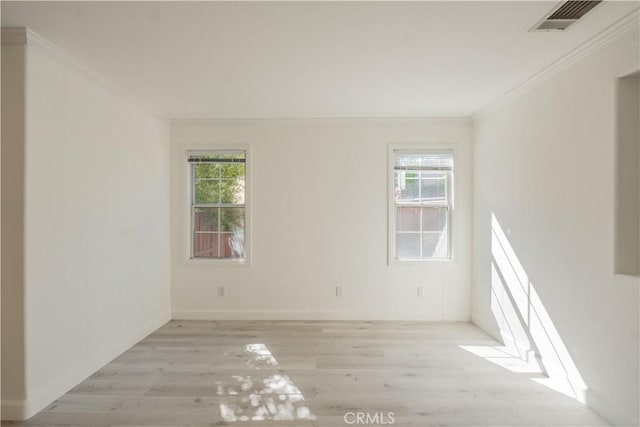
[409, 261]
[209, 262]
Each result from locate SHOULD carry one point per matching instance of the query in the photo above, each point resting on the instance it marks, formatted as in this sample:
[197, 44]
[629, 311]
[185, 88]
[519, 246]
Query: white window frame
[427, 148]
[189, 189]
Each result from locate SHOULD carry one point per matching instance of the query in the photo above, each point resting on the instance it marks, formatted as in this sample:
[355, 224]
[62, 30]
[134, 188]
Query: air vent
[564, 15]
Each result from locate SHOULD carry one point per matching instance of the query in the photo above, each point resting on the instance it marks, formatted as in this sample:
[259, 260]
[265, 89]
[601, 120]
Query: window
[420, 218]
[626, 249]
[218, 211]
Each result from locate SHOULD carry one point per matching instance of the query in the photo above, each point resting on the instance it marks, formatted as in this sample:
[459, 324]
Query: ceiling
[311, 59]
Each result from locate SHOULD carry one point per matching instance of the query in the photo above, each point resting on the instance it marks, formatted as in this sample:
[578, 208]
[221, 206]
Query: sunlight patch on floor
[274, 397]
[505, 357]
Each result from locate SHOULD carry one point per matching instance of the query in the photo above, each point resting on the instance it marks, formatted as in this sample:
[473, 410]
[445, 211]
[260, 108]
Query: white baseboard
[316, 315]
[609, 411]
[488, 326]
[19, 410]
[494, 331]
[14, 410]
[593, 400]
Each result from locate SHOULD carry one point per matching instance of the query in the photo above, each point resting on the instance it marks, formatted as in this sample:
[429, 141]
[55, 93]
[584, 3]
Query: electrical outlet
[419, 293]
[338, 291]
[221, 291]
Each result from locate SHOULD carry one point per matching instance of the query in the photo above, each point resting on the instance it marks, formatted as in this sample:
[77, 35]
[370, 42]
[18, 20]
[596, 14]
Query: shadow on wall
[531, 342]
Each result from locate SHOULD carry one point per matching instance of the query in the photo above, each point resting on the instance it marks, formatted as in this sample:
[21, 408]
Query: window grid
[220, 232]
[422, 204]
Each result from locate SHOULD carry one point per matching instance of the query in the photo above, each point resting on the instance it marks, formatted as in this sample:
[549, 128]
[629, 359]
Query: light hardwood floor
[198, 373]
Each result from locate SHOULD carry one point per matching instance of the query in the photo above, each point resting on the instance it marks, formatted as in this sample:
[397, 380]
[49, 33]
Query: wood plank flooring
[267, 374]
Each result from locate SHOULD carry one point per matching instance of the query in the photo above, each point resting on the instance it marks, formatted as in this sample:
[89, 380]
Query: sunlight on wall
[526, 327]
[261, 397]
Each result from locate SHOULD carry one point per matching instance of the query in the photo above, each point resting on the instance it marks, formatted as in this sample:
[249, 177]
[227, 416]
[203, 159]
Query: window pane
[205, 245]
[205, 219]
[434, 245]
[408, 219]
[434, 219]
[232, 170]
[207, 170]
[408, 245]
[433, 186]
[207, 191]
[407, 185]
[232, 219]
[232, 245]
[232, 191]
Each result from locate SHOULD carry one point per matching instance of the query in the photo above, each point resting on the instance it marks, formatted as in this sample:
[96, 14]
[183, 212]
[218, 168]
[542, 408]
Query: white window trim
[391, 213]
[187, 188]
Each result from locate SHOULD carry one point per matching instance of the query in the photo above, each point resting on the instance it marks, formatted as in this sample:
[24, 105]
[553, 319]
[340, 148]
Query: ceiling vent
[564, 15]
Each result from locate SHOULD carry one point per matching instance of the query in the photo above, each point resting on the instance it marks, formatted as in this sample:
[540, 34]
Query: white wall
[96, 226]
[13, 391]
[544, 169]
[319, 212]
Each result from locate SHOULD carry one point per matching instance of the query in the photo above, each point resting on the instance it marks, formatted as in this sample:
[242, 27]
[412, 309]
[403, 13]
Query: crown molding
[14, 36]
[31, 39]
[44, 46]
[320, 120]
[605, 36]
